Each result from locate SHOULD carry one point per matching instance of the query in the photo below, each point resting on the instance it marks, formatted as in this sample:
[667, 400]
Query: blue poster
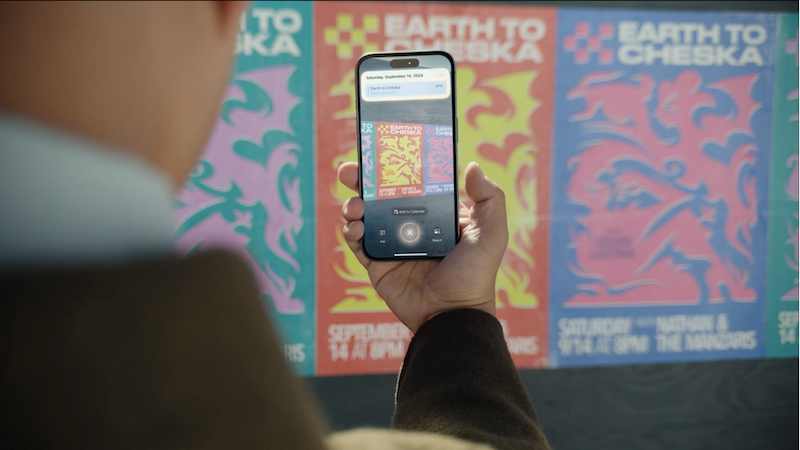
[253, 190]
[368, 177]
[659, 186]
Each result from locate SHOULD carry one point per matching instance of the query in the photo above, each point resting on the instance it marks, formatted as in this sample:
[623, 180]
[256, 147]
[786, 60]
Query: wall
[687, 406]
[562, 117]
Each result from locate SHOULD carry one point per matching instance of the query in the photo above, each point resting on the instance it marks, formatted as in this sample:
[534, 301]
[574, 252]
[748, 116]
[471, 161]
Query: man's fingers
[348, 175]
[353, 232]
[463, 222]
[353, 209]
[463, 211]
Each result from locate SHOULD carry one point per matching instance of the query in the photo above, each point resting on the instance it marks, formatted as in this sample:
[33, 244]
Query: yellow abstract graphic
[515, 177]
[400, 160]
[361, 297]
[346, 86]
[345, 36]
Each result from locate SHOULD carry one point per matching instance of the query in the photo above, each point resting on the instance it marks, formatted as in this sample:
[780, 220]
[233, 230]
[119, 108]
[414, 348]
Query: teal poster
[782, 288]
[252, 192]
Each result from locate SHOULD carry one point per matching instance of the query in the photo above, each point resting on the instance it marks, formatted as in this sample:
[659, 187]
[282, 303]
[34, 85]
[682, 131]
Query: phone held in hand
[407, 127]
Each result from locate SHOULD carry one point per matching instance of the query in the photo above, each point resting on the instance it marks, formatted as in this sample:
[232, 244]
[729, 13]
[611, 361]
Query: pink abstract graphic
[368, 160]
[791, 48]
[666, 183]
[791, 187]
[439, 160]
[793, 293]
[239, 197]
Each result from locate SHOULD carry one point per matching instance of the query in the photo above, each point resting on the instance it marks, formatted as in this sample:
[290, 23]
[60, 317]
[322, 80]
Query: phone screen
[408, 158]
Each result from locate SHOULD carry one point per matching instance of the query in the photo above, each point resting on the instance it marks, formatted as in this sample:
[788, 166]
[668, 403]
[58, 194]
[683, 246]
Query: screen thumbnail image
[406, 160]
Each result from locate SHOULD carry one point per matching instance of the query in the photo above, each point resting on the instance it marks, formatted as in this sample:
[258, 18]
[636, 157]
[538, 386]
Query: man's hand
[417, 290]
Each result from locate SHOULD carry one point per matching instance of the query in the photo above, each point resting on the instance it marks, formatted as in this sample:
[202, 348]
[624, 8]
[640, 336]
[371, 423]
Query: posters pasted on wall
[504, 88]
[659, 189]
[782, 316]
[668, 168]
[253, 189]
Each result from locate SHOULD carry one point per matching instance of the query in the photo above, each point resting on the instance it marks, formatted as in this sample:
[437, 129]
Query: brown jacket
[179, 354]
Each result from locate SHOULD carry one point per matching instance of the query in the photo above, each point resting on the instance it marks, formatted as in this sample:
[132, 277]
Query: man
[112, 341]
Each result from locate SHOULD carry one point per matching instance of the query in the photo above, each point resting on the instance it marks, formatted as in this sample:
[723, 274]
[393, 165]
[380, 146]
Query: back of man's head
[140, 77]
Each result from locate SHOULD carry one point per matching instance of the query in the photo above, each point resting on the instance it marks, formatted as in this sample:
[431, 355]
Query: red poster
[504, 58]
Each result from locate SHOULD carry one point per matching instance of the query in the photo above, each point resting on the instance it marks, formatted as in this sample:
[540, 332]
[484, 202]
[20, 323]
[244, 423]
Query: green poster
[252, 191]
[782, 287]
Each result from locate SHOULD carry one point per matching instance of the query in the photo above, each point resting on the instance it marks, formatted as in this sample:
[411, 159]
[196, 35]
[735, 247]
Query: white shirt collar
[66, 200]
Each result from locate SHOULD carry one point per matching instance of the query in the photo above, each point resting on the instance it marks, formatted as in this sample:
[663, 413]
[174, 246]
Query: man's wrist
[488, 308]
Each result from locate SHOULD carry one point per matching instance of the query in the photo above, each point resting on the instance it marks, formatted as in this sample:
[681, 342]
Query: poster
[398, 152]
[782, 306]
[504, 59]
[438, 159]
[252, 191]
[660, 186]
[408, 155]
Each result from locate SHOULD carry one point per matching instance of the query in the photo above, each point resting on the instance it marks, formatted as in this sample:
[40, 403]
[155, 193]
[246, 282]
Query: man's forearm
[458, 379]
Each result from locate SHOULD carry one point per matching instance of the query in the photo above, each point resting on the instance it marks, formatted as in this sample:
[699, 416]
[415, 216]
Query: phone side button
[456, 130]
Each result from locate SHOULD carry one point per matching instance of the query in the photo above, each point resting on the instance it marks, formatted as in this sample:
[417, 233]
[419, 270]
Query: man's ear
[228, 15]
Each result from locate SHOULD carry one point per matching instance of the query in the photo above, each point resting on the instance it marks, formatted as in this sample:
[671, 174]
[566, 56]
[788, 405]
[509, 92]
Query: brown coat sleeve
[160, 355]
[458, 379]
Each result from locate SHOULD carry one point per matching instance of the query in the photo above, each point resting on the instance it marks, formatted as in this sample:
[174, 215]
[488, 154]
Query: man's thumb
[478, 187]
[489, 209]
